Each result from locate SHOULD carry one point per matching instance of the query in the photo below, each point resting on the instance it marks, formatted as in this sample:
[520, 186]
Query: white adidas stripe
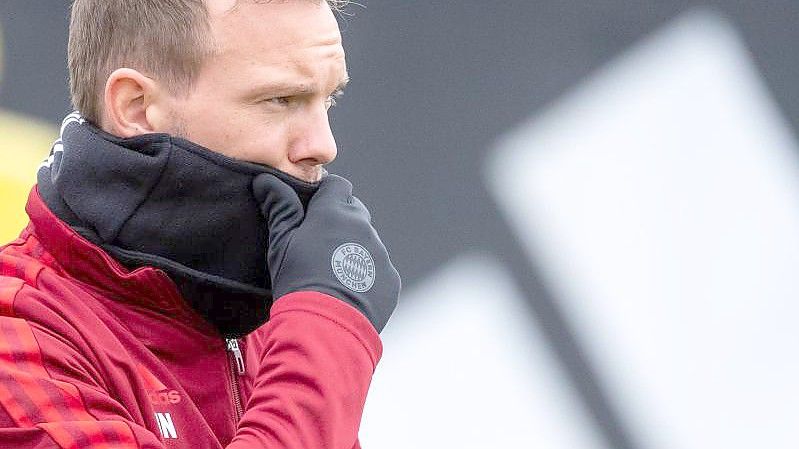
[58, 145]
[75, 117]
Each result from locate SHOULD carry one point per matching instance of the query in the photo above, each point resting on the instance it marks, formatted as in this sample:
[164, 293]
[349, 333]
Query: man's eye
[278, 100]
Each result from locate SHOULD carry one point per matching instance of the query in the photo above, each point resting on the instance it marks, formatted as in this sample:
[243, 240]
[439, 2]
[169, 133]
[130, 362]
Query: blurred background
[594, 206]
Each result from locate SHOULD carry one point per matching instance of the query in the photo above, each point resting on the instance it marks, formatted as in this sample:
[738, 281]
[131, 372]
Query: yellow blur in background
[24, 144]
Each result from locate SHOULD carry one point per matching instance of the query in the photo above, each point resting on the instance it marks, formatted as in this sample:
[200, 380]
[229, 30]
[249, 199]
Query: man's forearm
[318, 360]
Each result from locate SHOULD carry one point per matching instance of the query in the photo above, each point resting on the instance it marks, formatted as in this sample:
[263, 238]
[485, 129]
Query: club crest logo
[354, 267]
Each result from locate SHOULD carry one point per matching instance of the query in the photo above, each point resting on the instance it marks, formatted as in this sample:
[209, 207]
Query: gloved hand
[331, 247]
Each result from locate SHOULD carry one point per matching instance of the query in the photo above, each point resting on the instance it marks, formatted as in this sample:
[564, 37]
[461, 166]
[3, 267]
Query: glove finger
[359, 204]
[279, 204]
[333, 188]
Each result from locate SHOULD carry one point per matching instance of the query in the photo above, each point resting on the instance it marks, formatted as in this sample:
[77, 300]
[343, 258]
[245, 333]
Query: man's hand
[330, 248]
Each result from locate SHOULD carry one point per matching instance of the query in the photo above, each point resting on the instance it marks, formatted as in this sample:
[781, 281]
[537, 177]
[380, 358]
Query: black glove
[331, 247]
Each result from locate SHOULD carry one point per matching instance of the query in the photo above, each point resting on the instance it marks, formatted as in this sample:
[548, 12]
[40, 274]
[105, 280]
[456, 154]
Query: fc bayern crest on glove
[354, 267]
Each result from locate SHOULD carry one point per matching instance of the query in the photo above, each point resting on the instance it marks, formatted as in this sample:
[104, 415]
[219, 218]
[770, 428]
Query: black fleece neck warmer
[162, 201]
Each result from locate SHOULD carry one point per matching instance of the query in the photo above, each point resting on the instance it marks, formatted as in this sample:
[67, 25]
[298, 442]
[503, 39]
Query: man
[191, 276]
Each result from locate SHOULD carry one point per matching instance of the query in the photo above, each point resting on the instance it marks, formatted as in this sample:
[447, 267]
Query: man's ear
[130, 98]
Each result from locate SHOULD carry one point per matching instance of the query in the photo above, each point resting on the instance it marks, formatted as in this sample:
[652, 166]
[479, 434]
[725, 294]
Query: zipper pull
[233, 348]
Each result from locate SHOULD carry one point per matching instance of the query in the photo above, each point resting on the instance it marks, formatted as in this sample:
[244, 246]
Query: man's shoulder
[66, 323]
[21, 263]
[19, 271]
[34, 288]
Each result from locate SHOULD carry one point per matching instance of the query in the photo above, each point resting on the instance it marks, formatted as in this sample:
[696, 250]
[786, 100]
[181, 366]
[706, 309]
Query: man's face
[265, 93]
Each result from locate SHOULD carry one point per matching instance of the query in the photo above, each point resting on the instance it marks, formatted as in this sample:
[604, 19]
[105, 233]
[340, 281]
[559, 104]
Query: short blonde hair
[170, 38]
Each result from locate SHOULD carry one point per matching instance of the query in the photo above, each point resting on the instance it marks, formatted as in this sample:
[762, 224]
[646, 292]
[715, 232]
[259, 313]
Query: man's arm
[318, 360]
[337, 289]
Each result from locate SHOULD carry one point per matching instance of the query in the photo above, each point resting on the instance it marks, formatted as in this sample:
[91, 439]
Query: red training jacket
[93, 355]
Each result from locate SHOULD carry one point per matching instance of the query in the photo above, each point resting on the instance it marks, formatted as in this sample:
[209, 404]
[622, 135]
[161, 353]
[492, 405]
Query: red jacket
[93, 355]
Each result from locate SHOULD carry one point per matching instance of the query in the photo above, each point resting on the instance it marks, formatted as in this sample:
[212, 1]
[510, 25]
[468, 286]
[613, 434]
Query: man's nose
[313, 143]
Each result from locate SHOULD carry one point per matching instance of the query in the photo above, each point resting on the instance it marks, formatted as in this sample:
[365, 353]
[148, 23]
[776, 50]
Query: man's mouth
[311, 174]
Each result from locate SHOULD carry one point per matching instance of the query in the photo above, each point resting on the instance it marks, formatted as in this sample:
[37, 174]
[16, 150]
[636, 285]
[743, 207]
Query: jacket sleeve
[317, 361]
[48, 400]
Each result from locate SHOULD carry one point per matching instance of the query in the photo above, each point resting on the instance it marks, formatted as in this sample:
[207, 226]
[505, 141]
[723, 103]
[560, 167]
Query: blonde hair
[170, 38]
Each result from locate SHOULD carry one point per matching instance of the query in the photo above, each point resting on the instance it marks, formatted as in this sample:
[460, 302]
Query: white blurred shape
[661, 200]
[464, 368]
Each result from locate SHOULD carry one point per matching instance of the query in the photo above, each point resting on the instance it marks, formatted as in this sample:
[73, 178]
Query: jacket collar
[87, 263]
[161, 201]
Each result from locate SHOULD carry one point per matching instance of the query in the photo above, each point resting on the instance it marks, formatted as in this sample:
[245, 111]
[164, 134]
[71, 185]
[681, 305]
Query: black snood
[163, 201]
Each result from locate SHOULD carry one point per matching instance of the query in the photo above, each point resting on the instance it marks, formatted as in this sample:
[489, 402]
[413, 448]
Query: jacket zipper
[236, 370]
